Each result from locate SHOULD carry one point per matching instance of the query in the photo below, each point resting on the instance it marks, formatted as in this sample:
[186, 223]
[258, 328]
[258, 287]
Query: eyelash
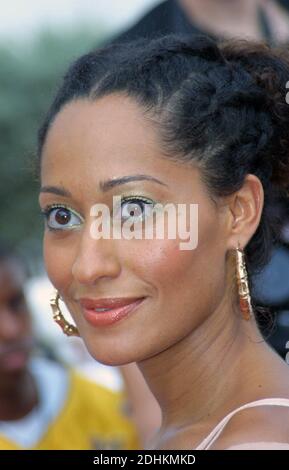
[47, 210]
[138, 199]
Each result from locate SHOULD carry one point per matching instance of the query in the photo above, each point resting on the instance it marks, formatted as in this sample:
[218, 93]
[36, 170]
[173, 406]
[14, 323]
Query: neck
[184, 378]
[225, 18]
[18, 395]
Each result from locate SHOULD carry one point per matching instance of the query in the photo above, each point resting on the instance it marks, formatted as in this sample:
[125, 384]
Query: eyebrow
[104, 185]
[55, 190]
[109, 184]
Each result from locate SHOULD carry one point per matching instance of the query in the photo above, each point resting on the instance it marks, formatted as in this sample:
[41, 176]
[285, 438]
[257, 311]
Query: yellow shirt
[93, 417]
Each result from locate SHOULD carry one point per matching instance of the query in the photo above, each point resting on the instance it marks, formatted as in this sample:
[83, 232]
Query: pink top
[214, 434]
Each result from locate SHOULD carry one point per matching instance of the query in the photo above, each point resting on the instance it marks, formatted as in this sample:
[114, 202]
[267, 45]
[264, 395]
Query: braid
[196, 46]
[270, 71]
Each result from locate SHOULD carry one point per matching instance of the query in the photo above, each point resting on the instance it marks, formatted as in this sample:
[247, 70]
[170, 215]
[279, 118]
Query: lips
[103, 312]
[107, 303]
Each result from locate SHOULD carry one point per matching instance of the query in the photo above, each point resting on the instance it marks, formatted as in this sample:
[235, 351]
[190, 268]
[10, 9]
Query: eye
[136, 208]
[61, 218]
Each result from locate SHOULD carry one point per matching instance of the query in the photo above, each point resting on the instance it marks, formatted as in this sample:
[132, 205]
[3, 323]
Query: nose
[11, 325]
[95, 259]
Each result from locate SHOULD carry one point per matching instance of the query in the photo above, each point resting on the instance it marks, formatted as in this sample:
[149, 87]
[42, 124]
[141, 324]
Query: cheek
[58, 259]
[170, 266]
[165, 266]
[183, 278]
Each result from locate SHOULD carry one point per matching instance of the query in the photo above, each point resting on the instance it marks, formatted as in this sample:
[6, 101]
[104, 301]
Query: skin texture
[145, 409]
[17, 388]
[189, 327]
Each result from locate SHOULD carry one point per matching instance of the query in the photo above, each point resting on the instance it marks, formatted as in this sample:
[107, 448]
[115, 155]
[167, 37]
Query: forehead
[110, 137]
[113, 126]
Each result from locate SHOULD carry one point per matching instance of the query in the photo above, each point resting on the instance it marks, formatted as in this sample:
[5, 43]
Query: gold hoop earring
[243, 285]
[67, 328]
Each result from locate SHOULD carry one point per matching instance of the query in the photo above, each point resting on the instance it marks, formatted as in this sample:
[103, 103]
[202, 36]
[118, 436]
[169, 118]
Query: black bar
[131, 459]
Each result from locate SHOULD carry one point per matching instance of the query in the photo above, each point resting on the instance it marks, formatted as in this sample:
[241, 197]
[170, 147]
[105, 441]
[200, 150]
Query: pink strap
[214, 434]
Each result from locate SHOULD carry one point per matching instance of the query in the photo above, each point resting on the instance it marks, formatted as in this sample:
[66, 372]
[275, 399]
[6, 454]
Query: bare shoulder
[255, 425]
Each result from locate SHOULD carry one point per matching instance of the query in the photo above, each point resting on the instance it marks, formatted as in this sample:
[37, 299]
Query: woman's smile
[104, 312]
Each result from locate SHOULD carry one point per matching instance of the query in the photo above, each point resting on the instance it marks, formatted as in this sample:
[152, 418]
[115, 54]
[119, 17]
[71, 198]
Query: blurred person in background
[44, 405]
[251, 19]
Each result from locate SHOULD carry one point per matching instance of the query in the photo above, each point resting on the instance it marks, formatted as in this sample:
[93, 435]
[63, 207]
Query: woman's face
[92, 142]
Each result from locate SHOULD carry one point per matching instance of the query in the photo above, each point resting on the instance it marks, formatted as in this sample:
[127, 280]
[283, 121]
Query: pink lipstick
[103, 312]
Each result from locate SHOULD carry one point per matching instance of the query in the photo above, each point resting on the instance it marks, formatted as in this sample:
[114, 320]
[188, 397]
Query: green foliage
[29, 76]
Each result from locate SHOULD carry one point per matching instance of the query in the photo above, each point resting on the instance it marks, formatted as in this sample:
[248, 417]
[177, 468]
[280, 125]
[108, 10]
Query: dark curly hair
[220, 106]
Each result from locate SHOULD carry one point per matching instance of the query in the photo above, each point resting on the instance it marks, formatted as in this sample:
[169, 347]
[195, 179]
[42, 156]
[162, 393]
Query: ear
[245, 210]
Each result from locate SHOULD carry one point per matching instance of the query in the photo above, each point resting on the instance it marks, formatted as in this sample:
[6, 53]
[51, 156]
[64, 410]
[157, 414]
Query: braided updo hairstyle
[222, 107]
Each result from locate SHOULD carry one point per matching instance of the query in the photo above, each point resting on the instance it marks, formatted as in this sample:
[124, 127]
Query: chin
[114, 361]
[110, 358]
